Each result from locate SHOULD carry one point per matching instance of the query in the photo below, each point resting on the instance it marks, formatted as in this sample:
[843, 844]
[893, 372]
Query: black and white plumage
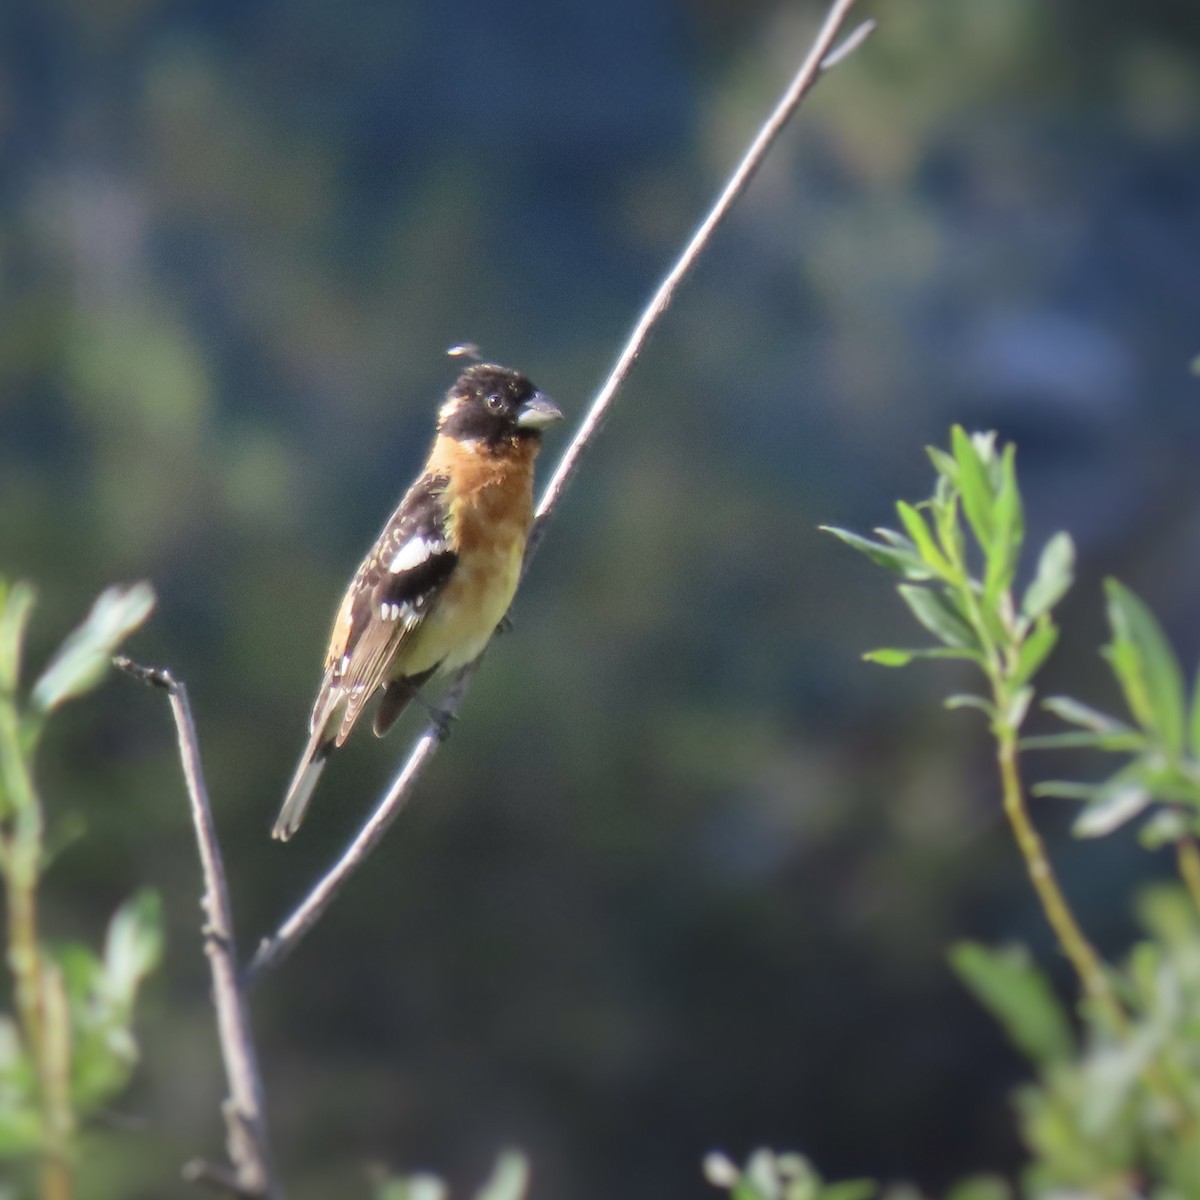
[442, 573]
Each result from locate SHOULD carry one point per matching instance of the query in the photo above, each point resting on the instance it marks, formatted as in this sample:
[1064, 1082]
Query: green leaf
[103, 1049]
[1194, 721]
[943, 464]
[1035, 649]
[1110, 1076]
[1076, 713]
[745, 1189]
[720, 1170]
[20, 1117]
[1111, 807]
[14, 616]
[1065, 789]
[1145, 666]
[1126, 663]
[20, 1128]
[771, 1176]
[414, 1187]
[934, 611]
[510, 1179]
[1169, 915]
[1117, 743]
[944, 510]
[82, 971]
[1053, 578]
[84, 657]
[1018, 706]
[1019, 996]
[922, 538]
[849, 1189]
[905, 562]
[1164, 828]
[762, 1176]
[985, 447]
[1008, 521]
[888, 657]
[1145, 962]
[1163, 779]
[967, 700]
[133, 945]
[100, 997]
[892, 538]
[892, 657]
[63, 834]
[974, 486]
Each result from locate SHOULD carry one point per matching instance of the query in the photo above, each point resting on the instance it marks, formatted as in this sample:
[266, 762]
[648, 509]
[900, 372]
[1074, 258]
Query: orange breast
[488, 521]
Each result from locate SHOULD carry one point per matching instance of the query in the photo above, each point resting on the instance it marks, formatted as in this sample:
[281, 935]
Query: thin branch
[252, 1171]
[273, 950]
[1074, 942]
[1188, 856]
[849, 44]
[822, 56]
[217, 1178]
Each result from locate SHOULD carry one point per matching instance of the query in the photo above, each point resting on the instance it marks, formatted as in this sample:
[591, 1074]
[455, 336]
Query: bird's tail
[300, 790]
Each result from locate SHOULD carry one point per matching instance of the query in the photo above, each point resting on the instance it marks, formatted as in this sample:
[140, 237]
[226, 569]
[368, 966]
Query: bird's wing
[388, 598]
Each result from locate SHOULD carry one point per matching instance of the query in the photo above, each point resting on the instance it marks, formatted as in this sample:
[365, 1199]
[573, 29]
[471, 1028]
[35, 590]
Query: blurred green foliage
[770, 1176]
[509, 1181]
[68, 1050]
[1162, 742]
[1115, 1109]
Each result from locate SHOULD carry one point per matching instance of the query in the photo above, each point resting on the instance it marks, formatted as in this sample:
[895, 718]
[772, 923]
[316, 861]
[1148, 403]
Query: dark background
[685, 875]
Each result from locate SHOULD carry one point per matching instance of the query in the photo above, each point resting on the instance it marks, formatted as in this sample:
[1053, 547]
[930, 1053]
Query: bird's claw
[442, 721]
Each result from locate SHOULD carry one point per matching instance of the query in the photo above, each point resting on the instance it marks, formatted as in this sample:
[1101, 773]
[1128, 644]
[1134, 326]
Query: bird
[441, 575]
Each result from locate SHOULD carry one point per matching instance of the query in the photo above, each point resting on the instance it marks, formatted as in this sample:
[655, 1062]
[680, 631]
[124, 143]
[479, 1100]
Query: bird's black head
[492, 404]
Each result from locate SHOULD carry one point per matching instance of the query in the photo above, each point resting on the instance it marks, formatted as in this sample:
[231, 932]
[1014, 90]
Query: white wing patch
[413, 553]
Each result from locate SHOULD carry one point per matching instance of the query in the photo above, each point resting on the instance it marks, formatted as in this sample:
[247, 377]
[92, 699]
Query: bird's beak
[537, 412]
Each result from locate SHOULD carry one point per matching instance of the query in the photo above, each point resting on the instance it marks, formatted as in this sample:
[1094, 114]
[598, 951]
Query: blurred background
[686, 872]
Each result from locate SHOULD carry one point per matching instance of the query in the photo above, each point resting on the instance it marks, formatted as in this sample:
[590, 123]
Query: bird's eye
[495, 402]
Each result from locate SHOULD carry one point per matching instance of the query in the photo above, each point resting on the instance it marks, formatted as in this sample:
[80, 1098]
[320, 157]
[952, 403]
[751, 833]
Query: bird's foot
[442, 720]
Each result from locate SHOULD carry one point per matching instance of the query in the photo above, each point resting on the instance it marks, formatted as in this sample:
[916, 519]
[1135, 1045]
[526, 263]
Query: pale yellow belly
[468, 610]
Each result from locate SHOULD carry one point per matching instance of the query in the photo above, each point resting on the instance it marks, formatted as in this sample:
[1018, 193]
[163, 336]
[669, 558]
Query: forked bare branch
[251, 1172]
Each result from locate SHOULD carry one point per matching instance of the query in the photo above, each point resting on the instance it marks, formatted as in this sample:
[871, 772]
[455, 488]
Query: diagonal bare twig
[273, 950]
[252, 1172]
[822, 56]
[217, 1178]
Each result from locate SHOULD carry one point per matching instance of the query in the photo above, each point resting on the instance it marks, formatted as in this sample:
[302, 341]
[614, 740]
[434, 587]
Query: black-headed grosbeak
[443, 572]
